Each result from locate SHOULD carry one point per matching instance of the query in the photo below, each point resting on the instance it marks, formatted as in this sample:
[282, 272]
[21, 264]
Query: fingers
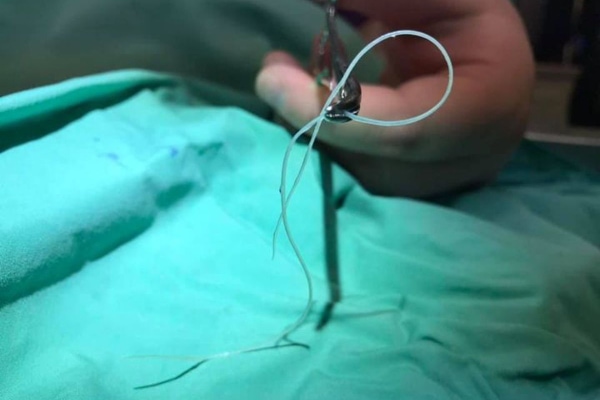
[294, 94]
[284, 85]
[389, 176]
[485, 109]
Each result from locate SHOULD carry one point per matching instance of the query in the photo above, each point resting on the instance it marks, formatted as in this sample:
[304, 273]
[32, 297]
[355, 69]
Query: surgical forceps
[329, 64]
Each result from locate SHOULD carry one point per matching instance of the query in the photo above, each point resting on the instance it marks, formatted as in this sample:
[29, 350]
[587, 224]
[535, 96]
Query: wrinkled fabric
[144, 227]
[139, 183]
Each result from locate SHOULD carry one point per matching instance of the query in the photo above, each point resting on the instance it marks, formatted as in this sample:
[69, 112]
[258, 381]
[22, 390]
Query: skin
[467, 141]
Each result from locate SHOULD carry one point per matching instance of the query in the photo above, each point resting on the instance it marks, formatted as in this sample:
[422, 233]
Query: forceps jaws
[330, 63]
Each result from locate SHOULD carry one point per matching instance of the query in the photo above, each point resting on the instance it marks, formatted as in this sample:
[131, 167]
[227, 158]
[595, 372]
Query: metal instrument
[329, 65]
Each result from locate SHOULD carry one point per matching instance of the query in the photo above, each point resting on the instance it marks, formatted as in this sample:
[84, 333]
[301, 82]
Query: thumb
[284, 85]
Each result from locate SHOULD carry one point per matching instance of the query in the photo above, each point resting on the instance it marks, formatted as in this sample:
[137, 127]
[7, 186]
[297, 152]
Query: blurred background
[565, 35]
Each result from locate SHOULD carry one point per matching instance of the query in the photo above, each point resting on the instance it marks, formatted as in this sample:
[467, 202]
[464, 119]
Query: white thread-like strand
[318, 121]
[412, 120]
[316, 124]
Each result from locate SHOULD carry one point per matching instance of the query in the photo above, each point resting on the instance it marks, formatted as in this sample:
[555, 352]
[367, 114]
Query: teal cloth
[143, 226]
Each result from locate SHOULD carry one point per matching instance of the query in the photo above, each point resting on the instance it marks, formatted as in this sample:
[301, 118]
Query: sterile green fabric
[144, 227]
[137, 208]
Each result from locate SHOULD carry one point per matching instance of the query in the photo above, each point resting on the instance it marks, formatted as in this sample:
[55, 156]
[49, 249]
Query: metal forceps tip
[329, 66]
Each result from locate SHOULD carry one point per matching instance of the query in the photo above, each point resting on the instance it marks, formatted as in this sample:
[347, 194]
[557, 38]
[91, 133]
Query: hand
[465, 142]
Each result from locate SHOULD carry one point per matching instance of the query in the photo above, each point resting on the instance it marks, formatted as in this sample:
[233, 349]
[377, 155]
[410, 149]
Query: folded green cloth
[144, 227]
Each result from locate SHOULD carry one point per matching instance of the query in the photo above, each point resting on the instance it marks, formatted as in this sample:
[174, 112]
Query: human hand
[465, 142]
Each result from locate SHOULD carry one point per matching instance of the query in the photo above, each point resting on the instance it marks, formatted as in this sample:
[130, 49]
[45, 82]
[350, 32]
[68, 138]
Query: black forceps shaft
[329, 66]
